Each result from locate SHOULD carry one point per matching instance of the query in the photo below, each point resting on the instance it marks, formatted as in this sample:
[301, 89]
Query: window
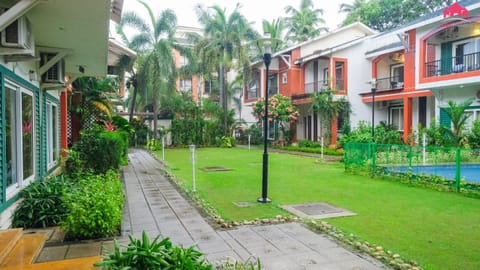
[253, 90]
[466, 55]
[186, 85]
[183, 61]
[340, 74]
[272, 84]
[208, 86]
[19, 139]
[473, 115]
[396, 117]
[284, 77]
[52, 134]
[396, 76]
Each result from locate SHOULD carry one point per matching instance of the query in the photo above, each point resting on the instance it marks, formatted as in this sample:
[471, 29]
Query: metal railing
[455, 167]
[315, 87]
[456, 64]
[389, 83]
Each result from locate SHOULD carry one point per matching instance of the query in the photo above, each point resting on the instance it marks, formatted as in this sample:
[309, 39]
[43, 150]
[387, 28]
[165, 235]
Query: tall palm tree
[222, 43]
[304, 23]
[155, 39]
[350, 8]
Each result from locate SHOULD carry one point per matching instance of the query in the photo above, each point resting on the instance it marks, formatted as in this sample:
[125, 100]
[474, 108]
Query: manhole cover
[242, 204]
[317, 210]
[215, 169]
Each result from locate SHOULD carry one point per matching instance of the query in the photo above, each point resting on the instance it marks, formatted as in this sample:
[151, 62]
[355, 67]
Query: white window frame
[400, 110]
[17, 145]
[52, 142]
[475, 115]
[184, 86]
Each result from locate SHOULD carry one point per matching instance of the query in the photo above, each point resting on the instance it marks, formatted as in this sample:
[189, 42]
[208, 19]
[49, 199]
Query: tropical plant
[304, 23]
[94, 206]
[328, 109]
[458, 117]
[223, 42]
[156, 40]
[474, 135]
[95, 96]
[42, 204]
[156, 254]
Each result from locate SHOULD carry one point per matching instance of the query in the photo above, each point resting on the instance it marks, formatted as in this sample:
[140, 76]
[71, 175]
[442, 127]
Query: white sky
[253, 10]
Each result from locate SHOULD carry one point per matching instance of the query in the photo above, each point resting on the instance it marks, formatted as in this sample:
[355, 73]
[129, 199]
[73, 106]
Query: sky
[254, 10]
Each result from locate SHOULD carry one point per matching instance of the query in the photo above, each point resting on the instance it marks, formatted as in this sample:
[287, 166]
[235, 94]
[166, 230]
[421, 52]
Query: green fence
[456, 167]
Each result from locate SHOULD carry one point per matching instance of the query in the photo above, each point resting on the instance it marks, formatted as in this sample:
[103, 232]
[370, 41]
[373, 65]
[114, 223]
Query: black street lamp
[267, 58]
[373, 89]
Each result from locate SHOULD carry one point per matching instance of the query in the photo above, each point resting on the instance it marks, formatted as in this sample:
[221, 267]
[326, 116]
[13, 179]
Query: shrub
[227, 141]
[154, 145]
[308, 144]
[143, 254]
[95, 206]
[43, 204]
[100, 150]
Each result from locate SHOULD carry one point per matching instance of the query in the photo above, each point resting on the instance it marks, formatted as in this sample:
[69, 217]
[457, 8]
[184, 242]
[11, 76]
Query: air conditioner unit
[55, 74]
[382, 104]
[18, 34]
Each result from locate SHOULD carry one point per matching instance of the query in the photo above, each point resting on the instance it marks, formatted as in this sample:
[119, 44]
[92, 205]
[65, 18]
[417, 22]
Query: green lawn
[437, 229]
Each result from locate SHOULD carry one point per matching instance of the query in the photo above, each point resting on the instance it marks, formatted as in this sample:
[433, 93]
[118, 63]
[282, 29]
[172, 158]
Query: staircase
[19, 250]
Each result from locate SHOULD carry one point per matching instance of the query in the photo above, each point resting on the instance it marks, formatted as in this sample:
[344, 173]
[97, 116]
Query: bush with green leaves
[155, 254]
[42, 204]
[384, 134]
[227, 142]
[154, 145]
[474, 135]
[99, 150]
[95, 206]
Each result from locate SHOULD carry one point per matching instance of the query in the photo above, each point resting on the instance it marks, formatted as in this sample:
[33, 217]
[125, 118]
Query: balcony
[315, 87]
[389, 83]
[456, 64]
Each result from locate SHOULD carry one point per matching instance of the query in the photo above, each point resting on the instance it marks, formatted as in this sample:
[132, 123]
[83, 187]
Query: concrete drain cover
[317, 210]
[215, 169]
[243, 204]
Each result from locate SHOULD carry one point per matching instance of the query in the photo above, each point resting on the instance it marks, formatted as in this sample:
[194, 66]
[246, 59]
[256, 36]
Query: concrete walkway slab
[154, 204]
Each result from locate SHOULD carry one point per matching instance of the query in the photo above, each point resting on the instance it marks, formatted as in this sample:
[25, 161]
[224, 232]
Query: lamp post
[267, 58]
[373, 89]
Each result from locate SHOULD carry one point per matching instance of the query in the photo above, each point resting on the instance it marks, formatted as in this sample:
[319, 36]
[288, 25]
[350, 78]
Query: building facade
[44, 47]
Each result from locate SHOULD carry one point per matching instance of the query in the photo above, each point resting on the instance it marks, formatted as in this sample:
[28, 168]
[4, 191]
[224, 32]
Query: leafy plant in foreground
[43, 205]
[157, 254]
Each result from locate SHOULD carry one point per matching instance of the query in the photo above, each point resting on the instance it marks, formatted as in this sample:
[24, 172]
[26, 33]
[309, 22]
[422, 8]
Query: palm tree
[350, 8]
[155, 39]
[458, 117]
[303, 23]
[222, 43]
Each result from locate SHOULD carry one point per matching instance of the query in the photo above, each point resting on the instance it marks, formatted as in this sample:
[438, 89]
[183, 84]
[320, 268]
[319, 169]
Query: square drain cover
[317, 210]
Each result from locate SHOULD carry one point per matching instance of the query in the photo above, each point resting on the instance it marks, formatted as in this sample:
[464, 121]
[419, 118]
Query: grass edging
[387, 257]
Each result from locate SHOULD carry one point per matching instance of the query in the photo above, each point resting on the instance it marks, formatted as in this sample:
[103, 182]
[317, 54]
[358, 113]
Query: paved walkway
[155, 206]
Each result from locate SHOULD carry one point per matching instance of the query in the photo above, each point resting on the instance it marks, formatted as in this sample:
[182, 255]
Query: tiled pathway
[155, 206]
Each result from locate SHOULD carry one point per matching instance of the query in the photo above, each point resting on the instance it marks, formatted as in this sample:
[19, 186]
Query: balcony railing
[456, 64]
[389, 83]
[315, 87]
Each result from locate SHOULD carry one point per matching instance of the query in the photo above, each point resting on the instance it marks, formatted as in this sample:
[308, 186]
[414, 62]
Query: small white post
[192, 149]
[321, 144]
[135, 137]
[249, 141]
[424, 144]
[163, 147]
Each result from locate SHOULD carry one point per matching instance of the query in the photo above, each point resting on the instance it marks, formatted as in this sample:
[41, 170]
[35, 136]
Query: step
[25, 251]
[8, 239]
[85, 263]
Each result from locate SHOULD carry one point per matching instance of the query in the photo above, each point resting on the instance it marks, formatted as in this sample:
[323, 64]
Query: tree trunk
[132, 105]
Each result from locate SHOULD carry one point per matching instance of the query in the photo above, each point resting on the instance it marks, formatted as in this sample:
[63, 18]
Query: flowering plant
[280, 108]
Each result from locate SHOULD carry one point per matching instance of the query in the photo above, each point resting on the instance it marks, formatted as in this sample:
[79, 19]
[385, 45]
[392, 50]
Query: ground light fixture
[267, 58]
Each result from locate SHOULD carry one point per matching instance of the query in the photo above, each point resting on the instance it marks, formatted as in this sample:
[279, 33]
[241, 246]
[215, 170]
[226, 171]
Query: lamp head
[267, 43]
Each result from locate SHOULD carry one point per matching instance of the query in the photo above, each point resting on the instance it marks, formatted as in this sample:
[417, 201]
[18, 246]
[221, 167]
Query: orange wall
[409, 64]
